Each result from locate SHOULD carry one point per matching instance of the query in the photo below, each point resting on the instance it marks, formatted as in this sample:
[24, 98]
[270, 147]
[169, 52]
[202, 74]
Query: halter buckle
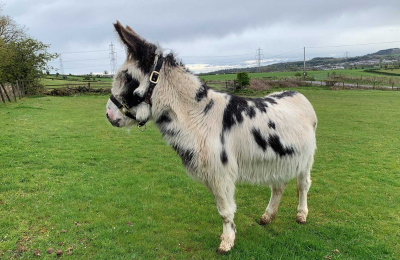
[122, 109]
[155, 77]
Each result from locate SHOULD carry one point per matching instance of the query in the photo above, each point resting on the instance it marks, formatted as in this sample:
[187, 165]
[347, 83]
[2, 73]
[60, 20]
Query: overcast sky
[209, 34]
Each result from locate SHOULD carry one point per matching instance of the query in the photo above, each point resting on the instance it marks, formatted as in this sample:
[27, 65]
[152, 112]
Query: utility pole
[61, 66]
[347, 54]
[259, 56]
[113, 59]
[304, 64]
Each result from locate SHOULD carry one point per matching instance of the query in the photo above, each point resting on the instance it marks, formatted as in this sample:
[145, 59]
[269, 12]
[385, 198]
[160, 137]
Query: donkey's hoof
[301, 218]
[221, 251]
[265, 219]
[226, 244]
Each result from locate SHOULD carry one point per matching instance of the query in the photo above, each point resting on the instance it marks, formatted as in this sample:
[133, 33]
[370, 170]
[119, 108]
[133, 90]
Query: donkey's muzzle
[114, 122]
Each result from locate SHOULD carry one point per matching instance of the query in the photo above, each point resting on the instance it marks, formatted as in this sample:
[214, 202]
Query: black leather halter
[154, 78]
[124, 109]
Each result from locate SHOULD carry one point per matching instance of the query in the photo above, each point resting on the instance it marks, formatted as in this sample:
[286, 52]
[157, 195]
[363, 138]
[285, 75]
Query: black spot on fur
[251, 112]
[233, 227]
[287, 93]
[129, 98]
[164, 126]
[163, 119]
[273, 141]
[201, 93]
[144, 53]
[171, 61]
[133, 99]
[168, 132]
[238, 107]
[259, 139]
[261, 103]
[276, 145]
[224, 157]
[208, 106]
[222, 137]
[270, 100]
[187, 155]
[271, 124]
[233, 112]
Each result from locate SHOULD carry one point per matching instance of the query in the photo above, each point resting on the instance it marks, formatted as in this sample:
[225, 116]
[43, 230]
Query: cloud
[200, 32]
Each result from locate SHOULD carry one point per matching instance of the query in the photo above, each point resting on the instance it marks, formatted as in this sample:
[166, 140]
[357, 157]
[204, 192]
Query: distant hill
[393, 51]
[388, 56]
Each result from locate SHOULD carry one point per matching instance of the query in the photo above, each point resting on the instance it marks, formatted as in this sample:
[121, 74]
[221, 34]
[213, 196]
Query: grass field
[317, 75]
[58, 82]
[71, 182]
[349, 76]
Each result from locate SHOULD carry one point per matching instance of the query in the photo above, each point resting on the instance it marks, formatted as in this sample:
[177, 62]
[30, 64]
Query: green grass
[58, 82]
[71, 181]
[317, 75]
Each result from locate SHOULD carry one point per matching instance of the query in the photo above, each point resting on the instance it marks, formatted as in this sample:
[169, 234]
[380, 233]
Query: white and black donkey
[222, 139]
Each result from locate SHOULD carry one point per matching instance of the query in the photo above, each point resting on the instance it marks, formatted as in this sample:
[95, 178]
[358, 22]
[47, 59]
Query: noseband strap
[124, 110]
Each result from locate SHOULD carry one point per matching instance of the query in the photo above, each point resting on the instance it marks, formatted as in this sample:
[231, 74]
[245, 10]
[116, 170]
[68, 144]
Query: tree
[9, 30]
[6, 59]
[21, 57]
[242, 79]
[29, 61]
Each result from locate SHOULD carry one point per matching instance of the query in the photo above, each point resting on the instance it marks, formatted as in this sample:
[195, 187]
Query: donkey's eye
[128, 78]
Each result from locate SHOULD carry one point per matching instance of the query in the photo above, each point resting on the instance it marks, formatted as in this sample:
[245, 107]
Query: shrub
[242, 79]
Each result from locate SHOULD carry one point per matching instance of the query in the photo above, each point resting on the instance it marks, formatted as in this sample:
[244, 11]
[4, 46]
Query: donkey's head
[133, 84]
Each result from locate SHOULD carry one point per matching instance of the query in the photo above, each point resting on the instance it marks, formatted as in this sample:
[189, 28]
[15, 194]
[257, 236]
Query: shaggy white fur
[222, 139]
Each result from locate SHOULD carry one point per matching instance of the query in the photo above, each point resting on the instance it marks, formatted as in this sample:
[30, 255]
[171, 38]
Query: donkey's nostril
[107, 116]
[116, 122]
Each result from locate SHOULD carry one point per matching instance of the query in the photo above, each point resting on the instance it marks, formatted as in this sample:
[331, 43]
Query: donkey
[222, 139]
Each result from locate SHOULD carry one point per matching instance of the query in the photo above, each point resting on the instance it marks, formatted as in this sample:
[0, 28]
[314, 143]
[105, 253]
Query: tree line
[22, 58]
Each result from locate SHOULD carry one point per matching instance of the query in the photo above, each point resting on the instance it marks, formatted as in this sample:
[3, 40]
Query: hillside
[393, 51]
[388, 57]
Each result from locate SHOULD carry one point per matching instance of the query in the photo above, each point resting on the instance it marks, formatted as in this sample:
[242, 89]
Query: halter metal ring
[140, 127]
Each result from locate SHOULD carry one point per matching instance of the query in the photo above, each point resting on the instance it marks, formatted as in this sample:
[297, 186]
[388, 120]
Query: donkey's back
[275, 142]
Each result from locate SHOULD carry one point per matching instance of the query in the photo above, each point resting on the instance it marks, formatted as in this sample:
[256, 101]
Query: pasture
[58, 82]
[69, 181]
[349, 76]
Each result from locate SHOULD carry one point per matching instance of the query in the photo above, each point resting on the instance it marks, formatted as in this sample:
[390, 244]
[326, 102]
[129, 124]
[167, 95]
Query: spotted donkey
[222, 139]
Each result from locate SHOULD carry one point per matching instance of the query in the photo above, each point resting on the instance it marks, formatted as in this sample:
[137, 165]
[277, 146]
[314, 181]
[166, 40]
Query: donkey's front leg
[223, 192]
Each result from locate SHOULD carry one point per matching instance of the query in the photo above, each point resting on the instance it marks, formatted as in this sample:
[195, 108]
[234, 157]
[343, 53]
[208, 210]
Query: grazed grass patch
[71, 182]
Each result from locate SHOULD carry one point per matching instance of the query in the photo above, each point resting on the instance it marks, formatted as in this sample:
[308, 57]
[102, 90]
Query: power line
[259, 56]
[278, 55]
[86, 67]
[245, 59]
[61, 66]
[84, 60]
[347, 45]
[68, 52]
[113, 59]
[218, 56]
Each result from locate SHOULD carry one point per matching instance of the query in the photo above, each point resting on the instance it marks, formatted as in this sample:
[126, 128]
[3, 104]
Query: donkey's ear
[138, 49]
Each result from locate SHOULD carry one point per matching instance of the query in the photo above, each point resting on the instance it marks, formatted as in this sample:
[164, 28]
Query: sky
[209, 35]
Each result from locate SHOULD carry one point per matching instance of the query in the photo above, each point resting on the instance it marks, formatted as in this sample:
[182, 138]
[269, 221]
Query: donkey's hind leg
[272, 208]
[303, 185]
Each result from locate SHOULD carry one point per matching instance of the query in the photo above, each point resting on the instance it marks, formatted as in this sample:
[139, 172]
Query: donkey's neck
[178, 102]
[179, 92]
